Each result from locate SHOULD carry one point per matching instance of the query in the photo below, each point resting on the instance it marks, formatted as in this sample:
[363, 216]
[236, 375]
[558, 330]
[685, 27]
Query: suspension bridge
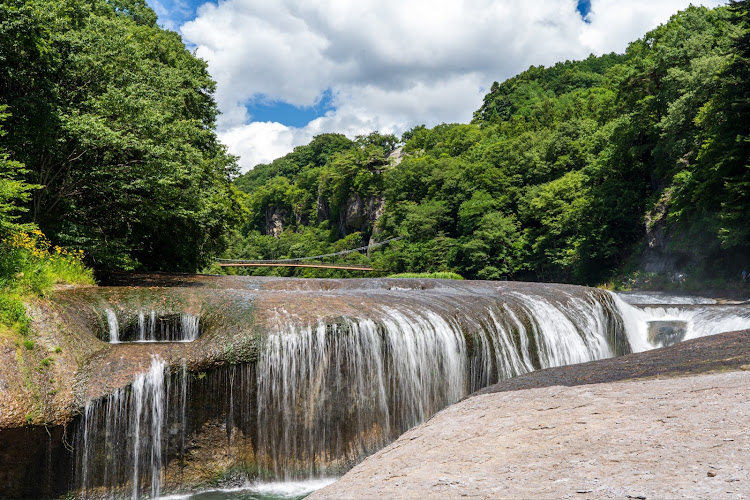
[308, 261]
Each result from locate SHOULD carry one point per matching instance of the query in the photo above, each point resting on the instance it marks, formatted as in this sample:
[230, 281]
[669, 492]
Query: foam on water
[259, 490]
[702, 319]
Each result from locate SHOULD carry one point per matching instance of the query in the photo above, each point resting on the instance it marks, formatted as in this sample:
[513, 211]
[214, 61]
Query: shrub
[438, 275]
[30, 267]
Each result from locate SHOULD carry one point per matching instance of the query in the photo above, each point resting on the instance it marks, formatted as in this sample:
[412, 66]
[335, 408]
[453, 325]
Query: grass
[438, 275]
[30, 267]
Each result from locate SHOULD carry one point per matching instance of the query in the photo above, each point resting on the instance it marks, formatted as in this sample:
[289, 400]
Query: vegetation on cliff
[572, 173]
[28, 264]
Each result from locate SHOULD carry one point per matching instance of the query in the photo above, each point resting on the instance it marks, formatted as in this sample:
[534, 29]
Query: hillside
[611, 167]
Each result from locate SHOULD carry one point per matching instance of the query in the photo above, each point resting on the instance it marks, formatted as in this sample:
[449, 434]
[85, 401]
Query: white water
[702, 318]
[153, 328]
[127, 426]
[114, 327]
[324, 395]
[260, 490]
[329, 394]
[663, 298]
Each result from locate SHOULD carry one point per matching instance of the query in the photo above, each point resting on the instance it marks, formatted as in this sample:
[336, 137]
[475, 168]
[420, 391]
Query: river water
[291, 490]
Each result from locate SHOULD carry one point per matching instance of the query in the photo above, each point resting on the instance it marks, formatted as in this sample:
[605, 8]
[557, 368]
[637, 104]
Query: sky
[287, 70]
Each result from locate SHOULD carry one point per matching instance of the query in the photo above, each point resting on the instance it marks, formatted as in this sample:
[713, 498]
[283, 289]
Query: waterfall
[189, 327]
[153, 327]
[696, 316]
[122, 437]
[346, 390]
[324, 394]
[114, 327]
[329, 394]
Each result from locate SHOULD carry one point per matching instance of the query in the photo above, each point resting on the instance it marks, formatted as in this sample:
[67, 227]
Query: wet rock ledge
[69, 362]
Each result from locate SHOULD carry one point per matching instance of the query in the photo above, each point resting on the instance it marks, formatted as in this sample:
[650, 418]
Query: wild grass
[438, 275]
[31, 267]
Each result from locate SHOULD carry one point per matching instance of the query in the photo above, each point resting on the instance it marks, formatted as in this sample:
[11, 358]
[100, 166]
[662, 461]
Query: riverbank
[664, 423]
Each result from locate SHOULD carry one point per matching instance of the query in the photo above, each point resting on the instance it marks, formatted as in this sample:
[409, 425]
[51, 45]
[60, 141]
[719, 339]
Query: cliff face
[361, 214]
[275, 220]
[679, 251]
[356, 214]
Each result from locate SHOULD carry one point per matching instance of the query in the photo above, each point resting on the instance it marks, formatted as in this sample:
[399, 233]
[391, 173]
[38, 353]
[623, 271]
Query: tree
[718, 186]
[14, 192]
[115, 118]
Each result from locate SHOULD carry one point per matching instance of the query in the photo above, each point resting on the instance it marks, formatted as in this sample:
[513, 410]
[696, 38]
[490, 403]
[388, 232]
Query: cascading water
[114, 326]
[322, 395]
[694, 316]
[325, 389]
[121, 446]
[153, 327]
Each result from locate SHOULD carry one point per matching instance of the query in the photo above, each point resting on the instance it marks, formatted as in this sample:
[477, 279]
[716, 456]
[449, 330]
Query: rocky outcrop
[361, 214]
[275, 220]
[288, 377]
[396, 156]
[75, 387]
[323, 210]
[660, 254]
[354, 215]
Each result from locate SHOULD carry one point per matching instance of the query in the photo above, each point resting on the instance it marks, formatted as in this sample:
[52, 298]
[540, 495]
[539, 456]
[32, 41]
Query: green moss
[28, 344]
[13, 312]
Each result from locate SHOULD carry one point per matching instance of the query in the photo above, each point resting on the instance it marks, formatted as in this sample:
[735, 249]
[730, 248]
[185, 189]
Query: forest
[109, 142]
[584, 172]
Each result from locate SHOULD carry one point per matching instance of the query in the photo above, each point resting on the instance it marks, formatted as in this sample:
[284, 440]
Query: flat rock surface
[684, 437]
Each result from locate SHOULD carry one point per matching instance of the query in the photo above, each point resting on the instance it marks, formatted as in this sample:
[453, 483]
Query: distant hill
[617, 166]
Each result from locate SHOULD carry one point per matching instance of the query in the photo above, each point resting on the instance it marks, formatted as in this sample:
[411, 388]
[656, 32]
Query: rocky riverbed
[674, 425]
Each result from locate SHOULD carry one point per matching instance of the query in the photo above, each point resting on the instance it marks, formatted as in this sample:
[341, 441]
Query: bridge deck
[275, 264]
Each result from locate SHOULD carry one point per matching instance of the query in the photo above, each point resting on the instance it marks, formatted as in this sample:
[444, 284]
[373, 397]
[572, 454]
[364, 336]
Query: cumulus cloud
[390, 64]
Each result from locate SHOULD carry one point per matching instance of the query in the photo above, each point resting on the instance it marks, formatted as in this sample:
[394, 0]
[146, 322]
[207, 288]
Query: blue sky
[287, 70]
[584, 7]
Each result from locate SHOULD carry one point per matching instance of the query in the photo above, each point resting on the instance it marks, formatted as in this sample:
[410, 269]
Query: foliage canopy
[114, 119]
[564, 173]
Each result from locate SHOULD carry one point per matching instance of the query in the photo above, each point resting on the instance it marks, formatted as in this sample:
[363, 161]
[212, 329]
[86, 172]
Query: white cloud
[390, 64]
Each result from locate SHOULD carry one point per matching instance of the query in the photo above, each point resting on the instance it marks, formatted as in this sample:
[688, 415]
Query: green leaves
[115, 118]
[554, 177]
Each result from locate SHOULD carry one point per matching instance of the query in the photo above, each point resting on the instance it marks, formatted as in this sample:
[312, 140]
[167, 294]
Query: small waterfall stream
[122, 437]
[323, 395]
[153, 327]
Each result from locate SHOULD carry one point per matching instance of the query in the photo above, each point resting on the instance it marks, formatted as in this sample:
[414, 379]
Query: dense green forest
[108, 153]
[110, 145]
[578, 173]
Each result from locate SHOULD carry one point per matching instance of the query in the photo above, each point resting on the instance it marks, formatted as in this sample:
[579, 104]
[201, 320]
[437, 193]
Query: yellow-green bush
[442, 275]
[29, 266]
